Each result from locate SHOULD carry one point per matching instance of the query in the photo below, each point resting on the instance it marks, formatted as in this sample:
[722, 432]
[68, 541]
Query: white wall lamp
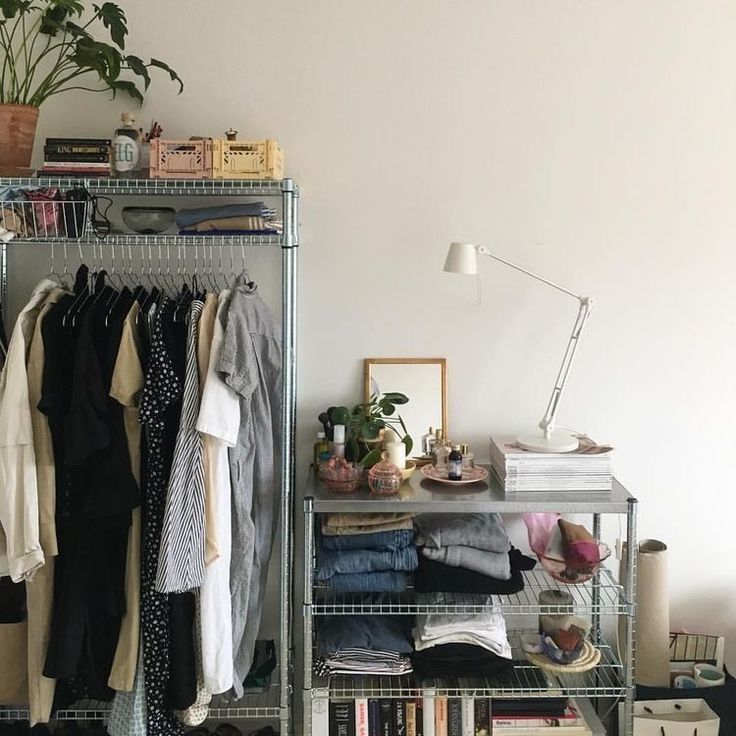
[463, 258]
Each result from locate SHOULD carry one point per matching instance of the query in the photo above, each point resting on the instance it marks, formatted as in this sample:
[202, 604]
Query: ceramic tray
[470, 475]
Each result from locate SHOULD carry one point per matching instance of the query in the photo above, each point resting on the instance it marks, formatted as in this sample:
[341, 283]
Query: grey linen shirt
[250, 363]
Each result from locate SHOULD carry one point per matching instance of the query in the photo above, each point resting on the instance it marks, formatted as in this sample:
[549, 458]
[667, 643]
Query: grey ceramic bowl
[149, 220]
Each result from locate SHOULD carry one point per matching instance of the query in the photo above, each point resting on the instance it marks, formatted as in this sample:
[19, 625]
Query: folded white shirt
[498, 646]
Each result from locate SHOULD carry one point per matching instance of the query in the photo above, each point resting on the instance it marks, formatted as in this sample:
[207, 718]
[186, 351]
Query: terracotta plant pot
[17, 133]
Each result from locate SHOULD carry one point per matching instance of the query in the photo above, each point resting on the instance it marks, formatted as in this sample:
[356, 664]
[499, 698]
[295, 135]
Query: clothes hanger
[248, 281]
[68, 319]
[210, 273]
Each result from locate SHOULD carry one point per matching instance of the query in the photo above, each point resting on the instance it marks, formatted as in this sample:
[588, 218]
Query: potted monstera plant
[49, 47]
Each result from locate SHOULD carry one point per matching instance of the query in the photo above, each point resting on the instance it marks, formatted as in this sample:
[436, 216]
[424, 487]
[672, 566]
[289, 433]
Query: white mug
[395, 453]
[706, 675]
[685, 682]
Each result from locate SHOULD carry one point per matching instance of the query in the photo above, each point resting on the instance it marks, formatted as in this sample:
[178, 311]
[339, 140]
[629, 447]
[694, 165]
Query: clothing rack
[276, 703]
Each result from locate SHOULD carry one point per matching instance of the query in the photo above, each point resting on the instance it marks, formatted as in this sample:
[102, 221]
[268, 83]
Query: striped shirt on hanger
[181, 556]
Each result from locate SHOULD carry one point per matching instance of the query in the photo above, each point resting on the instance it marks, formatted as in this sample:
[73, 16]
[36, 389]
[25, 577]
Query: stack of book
[448, 716]
[588, 469]
[76, 157]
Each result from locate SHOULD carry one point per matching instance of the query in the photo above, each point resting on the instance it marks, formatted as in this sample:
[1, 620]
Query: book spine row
[434, 716]
[70, 156]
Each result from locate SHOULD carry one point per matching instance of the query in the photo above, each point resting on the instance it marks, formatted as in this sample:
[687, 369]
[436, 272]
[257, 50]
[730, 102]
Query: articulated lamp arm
[547, 423]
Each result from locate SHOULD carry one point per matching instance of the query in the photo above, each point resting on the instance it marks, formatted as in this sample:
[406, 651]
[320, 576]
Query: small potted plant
[364, 424]
[48, 48]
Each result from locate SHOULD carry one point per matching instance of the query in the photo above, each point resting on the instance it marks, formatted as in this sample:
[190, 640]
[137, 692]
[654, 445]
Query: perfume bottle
[321, 449]
[126, 147]
[428, 442]
[468, 457]
[441, 450]
[455, 464]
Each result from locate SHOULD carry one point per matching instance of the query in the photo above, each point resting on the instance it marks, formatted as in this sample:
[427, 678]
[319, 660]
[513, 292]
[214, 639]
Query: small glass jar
[384, 479]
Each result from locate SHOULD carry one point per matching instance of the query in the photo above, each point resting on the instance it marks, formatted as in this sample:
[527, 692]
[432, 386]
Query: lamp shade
[461, 258]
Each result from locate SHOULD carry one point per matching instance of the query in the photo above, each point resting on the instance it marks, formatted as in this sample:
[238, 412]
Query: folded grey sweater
[482, 531]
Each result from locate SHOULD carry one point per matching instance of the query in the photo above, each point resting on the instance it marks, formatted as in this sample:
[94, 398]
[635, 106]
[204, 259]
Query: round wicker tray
[588, 659]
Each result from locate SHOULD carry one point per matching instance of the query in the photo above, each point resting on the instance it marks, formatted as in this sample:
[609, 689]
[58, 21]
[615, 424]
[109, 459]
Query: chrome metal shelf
[115, 239]
[149, 187]
[524, 681]
[609, 600]
[262, 706]
[421, 495]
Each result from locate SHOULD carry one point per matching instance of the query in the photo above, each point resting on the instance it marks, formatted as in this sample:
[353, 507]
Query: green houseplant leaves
[50, 47]
[364, 424]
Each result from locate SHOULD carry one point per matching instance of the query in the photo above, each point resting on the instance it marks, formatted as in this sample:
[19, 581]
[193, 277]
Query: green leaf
[352, 450]
[138, 67]
[52, 20]
[174, 76]
[408, 443]
[371, 458]
[388, 409]
[11, 8]
[339, 415]
[129, 88]
[102, 58]
[396, 398]
[371, 428]
[77, 31]
[113, 18]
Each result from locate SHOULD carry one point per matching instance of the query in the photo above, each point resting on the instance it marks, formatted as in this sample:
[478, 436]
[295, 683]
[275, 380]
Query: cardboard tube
[652, 624]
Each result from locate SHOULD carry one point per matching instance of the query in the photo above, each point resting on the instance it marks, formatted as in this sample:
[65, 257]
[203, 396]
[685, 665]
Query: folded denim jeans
[364, 561]
[380, 541]
[390, 581]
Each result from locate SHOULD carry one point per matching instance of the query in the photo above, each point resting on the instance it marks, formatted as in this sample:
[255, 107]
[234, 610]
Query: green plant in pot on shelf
[364, 424]
[48, 48]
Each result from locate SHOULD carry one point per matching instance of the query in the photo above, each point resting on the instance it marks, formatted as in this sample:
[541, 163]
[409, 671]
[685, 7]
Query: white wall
[592, 141]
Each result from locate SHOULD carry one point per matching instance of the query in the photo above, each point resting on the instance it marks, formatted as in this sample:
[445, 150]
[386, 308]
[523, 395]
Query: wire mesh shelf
[254, 706]
[523, 681]
[170, 187]
[609, 600]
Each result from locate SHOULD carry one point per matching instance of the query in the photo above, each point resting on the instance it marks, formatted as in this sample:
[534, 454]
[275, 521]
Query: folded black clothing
[458, 660]
[436, 577]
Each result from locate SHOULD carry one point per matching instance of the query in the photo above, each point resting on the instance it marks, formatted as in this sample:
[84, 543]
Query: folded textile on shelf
[347, 524]
[388, 581]
[380, 541]
[482, 531]
[486, 630]
[433, 576]
[493, 564]
[364, 561]
[233, 223]
[187, 218]
[458, 660]
[376, 633]
[359, 661]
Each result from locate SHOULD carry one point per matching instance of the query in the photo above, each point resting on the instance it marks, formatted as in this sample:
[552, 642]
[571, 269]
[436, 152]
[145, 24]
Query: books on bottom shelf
[434, 715]
[589, 469]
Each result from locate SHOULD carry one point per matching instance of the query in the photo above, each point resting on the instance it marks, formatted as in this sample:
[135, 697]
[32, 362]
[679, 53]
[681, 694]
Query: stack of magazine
[588, 469]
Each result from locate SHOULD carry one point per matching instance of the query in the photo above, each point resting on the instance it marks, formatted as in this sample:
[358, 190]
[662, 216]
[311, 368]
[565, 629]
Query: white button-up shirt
[20, 548]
